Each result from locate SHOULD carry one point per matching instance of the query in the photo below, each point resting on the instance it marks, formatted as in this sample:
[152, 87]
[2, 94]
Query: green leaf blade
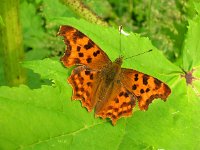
[47, 118]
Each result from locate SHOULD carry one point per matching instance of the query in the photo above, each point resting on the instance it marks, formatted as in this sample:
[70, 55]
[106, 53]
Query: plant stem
[81, 10]
[11, 42]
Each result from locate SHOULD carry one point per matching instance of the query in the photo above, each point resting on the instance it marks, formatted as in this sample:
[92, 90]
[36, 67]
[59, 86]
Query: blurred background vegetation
[164, 22]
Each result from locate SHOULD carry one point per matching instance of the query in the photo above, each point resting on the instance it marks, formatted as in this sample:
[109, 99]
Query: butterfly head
[119, 60]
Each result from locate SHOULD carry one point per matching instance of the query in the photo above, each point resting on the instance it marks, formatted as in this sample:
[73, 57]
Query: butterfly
[104, 85]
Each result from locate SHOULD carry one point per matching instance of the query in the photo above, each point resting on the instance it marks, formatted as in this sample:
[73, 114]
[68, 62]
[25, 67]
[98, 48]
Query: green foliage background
[41, 115]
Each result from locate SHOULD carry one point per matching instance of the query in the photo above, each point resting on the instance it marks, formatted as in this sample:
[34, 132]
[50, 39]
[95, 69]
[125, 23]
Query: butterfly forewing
[81, 50]
[146, 88]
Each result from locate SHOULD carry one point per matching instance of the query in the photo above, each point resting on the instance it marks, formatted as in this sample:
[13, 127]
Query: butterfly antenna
[120, 40]
[138, 54]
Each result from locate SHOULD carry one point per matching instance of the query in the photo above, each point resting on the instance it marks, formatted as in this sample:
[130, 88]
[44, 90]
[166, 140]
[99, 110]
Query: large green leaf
[46, 118]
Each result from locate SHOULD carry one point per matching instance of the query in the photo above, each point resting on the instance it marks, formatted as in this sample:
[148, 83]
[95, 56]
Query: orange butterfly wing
[146, 88]
[83, 81]
[81, 50]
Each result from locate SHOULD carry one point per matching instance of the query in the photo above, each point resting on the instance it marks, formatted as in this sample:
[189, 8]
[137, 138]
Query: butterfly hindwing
[146, 88]
[82, 80]
[81, 50]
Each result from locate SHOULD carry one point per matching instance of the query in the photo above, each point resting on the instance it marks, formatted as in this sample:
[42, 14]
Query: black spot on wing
[136, 77]
[87, 72]
[78, 34]
[126, 94]
[78, 48]
[147, 90]
[89, 45]
[142, 91]
[96, 53]
[145, 79]
[89, 60]
[134, 87]
[157, 83]
[80, 54]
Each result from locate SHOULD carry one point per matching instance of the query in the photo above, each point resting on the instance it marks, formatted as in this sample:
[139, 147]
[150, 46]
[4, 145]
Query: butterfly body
[104, 85]
[111, 72]
[108, 77]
